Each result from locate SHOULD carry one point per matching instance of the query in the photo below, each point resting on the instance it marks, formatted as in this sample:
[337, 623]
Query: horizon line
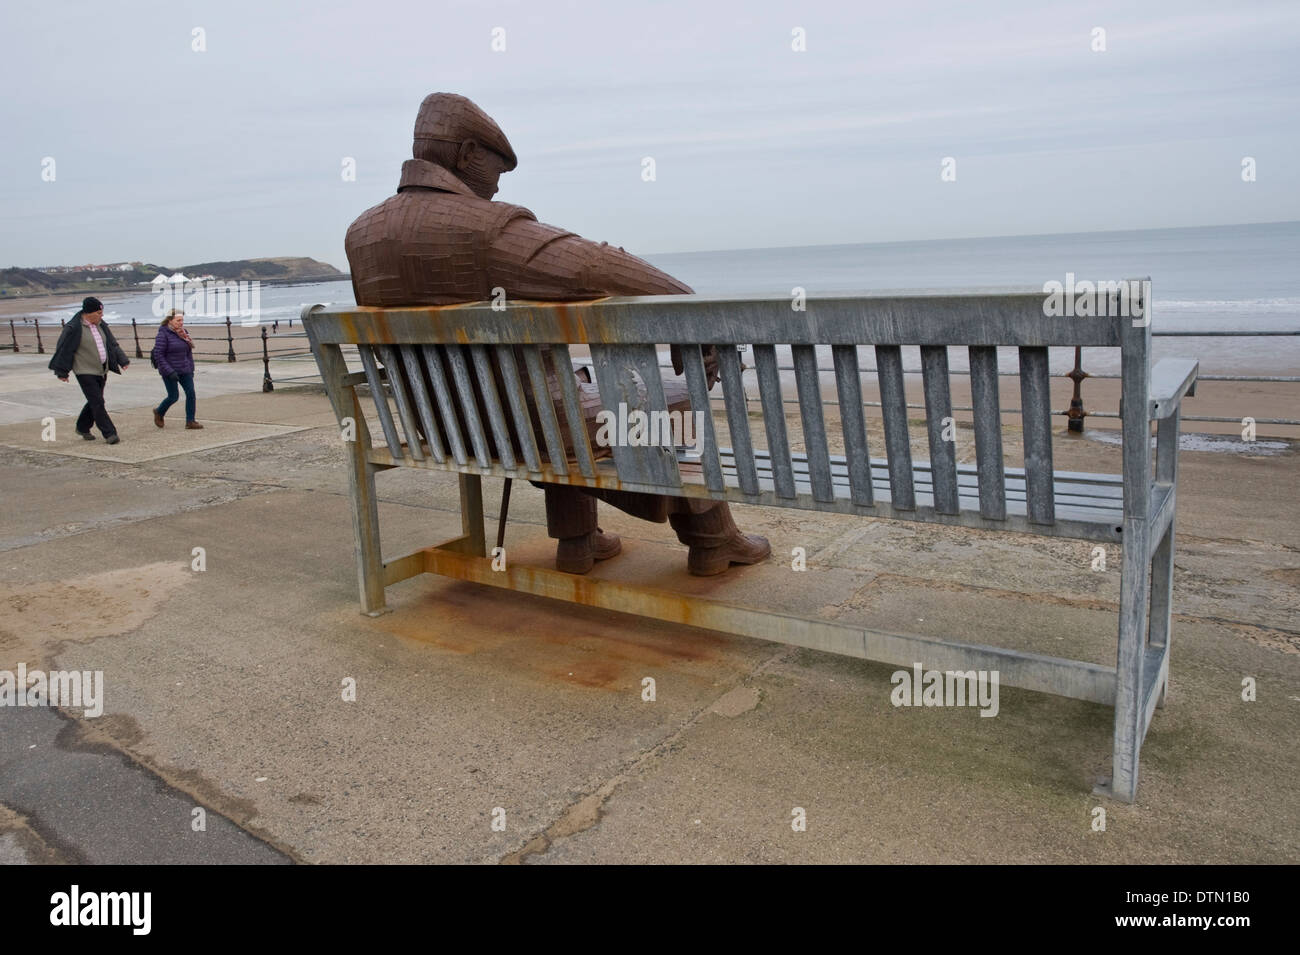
[970, 238]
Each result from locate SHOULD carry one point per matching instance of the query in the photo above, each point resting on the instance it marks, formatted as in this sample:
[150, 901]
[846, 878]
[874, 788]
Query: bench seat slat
[967, 494]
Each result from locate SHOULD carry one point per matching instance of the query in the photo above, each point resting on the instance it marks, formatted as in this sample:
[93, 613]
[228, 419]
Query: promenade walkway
[224, 688]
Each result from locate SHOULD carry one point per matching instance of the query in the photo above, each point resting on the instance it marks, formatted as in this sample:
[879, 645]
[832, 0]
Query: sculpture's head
[455, 134]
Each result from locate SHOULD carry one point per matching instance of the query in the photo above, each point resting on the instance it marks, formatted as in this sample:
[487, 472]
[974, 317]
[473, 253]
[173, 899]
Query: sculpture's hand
[711, 372]
[710, 355]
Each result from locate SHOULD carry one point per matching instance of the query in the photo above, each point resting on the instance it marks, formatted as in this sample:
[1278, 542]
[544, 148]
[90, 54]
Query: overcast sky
[174, 156]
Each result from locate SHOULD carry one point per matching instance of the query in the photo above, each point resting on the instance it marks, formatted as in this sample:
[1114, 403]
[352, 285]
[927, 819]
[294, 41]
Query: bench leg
[1162, 586]
[471, 514]
[365, 525]
[1162, 564]
[1129, 670]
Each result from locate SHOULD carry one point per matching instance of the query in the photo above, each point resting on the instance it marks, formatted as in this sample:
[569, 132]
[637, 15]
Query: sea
[1241, 277]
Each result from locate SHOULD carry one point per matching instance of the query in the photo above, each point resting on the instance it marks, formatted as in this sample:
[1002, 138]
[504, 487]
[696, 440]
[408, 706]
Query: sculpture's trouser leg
[571, 512]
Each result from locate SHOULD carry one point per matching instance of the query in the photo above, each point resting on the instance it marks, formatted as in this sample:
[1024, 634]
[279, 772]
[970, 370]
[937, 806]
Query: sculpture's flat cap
[449, 118]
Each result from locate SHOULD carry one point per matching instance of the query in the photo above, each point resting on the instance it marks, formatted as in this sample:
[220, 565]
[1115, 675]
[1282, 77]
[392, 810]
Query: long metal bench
[462, 388]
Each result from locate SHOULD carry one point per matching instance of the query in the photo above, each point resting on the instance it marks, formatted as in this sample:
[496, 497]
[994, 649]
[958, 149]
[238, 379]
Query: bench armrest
[1170, 380]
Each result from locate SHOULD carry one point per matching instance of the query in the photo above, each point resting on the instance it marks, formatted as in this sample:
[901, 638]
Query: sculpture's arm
[534, 260]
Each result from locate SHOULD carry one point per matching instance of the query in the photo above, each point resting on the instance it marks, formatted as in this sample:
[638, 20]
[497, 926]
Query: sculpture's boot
[571, 519]
[577, 555]
[716, 542]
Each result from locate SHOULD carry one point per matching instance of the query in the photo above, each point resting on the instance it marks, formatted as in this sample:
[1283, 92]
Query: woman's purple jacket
[173, 355]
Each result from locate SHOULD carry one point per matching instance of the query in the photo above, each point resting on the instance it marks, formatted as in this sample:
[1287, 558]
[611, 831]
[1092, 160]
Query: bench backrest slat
[742, 445]
[434, 365]
[629, 380]
[466, 402]
[698, 388]
[573, 411]
[376, 383]
[492, 404]
[853, 423]
[773, 402]
[939, 425]
[523, 427]
[423, 403]
[402, 398]
[988, 431]
[893, 409]
[545, 410]
[1036, 418]
[808, 383]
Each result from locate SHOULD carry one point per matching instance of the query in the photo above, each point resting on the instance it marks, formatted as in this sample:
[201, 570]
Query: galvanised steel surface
[480, 360]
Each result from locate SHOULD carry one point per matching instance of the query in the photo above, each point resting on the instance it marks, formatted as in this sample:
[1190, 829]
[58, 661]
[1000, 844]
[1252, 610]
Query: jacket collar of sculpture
[422, 174]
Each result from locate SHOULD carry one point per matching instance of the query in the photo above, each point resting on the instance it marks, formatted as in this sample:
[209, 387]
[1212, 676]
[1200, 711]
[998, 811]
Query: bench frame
[623, 334]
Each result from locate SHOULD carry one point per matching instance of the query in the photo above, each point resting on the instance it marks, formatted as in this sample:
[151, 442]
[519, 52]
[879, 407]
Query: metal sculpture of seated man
[442, 240]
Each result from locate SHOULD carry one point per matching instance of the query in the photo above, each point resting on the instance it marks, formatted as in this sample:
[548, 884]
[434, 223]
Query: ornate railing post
[136, 332]
[267, 384]
[230, 340]
[1076, 413]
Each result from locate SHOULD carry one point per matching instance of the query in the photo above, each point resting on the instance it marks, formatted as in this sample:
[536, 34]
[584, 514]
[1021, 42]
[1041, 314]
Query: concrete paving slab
[140, 440]
[29, 391]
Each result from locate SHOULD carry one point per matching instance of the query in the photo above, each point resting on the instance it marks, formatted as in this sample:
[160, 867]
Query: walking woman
[173, 355]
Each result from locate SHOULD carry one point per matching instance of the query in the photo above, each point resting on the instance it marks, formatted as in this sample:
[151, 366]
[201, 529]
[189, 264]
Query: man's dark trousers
[92, 386]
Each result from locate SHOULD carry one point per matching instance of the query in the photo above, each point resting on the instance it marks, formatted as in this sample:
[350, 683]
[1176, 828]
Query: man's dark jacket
[70, 339]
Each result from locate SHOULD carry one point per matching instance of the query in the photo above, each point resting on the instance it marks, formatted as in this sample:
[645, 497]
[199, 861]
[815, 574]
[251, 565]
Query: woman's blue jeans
[173, 394]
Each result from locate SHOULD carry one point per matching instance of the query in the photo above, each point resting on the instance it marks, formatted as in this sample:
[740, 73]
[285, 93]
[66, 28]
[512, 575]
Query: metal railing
[1076, 412]
[230, 353]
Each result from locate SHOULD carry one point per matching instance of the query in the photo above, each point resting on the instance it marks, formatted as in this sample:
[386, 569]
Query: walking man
[88, 350]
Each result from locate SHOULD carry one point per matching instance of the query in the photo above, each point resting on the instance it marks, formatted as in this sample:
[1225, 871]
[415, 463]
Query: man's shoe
[577, 555]
[193, 426]
[112, 439]
[85, 434]
[158, 419]
[740, 549]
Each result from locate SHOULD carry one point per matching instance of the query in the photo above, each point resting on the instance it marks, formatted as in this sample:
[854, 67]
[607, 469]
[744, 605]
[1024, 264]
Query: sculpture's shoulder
[426, 247]
[425, 215]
